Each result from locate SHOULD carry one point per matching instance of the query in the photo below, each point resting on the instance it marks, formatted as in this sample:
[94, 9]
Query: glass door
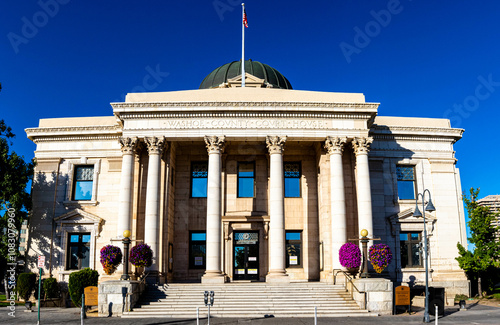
[246, 256]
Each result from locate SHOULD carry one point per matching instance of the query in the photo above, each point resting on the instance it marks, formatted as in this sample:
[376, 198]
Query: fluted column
[126, 185]
[335, 146]
[363, 190]
[277, 272]
[213, 273]
[151, 224]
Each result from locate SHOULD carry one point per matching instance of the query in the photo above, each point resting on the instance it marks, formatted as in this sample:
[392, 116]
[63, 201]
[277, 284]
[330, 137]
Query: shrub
[380, 256]
[141, 255]
[111, 257]
[51, 288]
[350, 255]
[78, 281]
[26, 285]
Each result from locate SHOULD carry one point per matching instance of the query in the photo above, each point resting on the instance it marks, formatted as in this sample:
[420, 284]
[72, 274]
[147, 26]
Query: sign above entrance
[245, 238]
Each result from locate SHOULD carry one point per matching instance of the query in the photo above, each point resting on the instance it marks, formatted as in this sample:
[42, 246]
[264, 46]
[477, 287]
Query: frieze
[245, 115]
[245, 104]
[75, 138]
[78, 129]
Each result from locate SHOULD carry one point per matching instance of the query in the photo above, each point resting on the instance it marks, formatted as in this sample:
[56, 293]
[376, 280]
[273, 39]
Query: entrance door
[246, 255]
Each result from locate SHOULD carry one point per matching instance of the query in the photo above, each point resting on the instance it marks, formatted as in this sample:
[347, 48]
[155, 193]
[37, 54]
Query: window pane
[74, 238]
[199, 187]
[245, 169]
[198, 255]
[293, 236]
[196, 236]
[406, 190]
[405, 173]
[84, 257]
[73, 258]
[404, 254]
[85, 238]
[292, 187]
[415, 255]
[414, 236]
[245, 187]
[403, 236]
[84, 173]
[293, 252]
[83, 190]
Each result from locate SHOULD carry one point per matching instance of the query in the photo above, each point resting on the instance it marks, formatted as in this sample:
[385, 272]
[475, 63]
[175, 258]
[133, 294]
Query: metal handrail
[348, 278]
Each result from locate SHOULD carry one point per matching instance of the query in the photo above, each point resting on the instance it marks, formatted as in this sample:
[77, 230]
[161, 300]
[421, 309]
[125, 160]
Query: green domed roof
[230, 70]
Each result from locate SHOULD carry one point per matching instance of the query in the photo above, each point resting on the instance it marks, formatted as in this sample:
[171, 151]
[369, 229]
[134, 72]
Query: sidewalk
[475, 314]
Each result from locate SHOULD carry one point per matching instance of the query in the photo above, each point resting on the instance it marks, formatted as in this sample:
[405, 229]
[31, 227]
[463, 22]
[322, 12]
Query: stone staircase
[245, 300]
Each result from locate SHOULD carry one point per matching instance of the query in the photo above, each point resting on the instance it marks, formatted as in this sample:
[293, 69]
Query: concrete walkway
[475, 314]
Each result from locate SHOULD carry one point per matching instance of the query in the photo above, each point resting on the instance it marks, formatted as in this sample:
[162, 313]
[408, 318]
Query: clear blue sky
[417, 58]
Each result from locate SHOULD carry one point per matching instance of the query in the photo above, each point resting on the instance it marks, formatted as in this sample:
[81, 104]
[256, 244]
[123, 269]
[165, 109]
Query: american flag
[245, 21]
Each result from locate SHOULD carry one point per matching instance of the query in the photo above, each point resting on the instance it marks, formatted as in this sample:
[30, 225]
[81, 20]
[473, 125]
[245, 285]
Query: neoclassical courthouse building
[262, 182]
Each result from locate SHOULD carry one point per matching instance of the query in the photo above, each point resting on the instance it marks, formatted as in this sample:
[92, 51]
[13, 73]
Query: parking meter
[211, 298]
[206, 298]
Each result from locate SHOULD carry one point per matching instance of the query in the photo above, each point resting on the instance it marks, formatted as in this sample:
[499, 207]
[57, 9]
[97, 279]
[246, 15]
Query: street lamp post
[417, 213]
[126, 242]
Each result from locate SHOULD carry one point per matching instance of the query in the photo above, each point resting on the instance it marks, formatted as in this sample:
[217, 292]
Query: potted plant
[141, 255]
[380, 256]
[111, 257]
[350, 257]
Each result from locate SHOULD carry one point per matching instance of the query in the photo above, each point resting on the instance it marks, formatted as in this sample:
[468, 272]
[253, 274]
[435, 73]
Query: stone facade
[143, 158]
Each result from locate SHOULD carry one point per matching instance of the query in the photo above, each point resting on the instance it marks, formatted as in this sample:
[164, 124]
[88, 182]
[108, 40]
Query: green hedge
[78, 281]
[51, 288]
[26, 285]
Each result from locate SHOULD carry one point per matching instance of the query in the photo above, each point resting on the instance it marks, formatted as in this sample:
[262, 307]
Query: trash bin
[436, 297]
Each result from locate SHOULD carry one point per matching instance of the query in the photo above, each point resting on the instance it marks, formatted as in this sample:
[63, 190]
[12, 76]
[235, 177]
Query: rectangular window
[406, 182]
[199, 178]
[78, 251]
[246, 179]
[411, 253]
[292, 179]
[23, 231]
[197, 249]
[293, 248]
[22, 240]
[83, 183]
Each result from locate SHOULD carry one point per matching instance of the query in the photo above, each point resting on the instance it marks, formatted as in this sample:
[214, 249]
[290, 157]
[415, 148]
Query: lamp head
[364, 233]
[417, 212]
[126, 234]
[430, 207]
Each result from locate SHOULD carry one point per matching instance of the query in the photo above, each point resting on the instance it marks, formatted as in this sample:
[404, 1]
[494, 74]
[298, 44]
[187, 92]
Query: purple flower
[141, 255]
[380, 256]
[111, 257]
[350, 255]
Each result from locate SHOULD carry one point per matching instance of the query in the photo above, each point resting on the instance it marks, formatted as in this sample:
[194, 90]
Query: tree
[15, 201]
[484, 262]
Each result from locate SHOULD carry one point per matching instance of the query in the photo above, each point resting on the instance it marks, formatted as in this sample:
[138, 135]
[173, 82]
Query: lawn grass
[5, 303]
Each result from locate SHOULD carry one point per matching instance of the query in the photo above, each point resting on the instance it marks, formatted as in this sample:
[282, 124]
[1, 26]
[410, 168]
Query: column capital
[335, 145]
[128, 145]
[275, 144]
[155, 145]
[361, 145]
[215, 144]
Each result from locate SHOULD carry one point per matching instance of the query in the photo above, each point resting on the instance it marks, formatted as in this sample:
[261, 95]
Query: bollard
[82, 316]
[197, 315]
[437, 315]
[315, 315]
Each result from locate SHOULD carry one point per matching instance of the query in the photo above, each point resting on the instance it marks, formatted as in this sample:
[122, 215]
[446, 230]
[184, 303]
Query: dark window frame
[197, 242]
[192, 177]
[238, 177]
[80, 244]
[77, 181]
[294, 242]
[299, 177]
[408, 244]
[398, 180]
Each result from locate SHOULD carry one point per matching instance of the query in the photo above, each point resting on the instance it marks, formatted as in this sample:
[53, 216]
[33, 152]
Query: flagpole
[243, 46]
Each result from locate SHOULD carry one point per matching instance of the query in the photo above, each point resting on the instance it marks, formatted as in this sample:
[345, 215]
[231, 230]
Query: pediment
[407, 216]
[78, 216]
[250, 81]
